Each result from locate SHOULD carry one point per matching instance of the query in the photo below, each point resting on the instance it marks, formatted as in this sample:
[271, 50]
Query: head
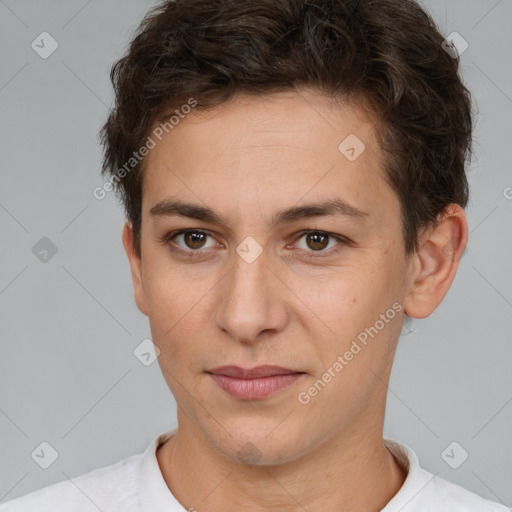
[248, 123]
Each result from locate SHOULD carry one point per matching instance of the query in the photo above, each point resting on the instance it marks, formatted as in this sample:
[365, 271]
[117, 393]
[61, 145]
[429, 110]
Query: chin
[256, 447]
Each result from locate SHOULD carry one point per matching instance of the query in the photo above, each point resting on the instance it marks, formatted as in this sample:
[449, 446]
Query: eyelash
[168, 239]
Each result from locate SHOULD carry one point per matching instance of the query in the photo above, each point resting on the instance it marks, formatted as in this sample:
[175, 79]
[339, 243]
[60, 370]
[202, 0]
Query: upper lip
[252, 373]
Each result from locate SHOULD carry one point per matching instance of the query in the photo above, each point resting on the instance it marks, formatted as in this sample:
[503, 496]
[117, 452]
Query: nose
[252, 300]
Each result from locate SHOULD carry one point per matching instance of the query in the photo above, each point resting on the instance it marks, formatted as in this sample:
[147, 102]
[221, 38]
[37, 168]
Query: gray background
[69, 325]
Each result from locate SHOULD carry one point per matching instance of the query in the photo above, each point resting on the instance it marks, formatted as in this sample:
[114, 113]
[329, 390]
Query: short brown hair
[388, 53]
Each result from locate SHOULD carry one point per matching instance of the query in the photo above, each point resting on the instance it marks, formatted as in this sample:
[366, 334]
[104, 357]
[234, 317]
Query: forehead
[302, 120]
[264, 153]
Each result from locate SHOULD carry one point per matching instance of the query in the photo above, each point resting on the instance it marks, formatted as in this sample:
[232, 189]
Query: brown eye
[194, 239]
[317, 241]
[314, 243]
[189, 240]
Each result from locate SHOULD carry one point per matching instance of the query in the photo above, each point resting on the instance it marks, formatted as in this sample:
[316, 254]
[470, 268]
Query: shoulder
[431, 492]
[109, 488]
[455, 498]
[423, 491]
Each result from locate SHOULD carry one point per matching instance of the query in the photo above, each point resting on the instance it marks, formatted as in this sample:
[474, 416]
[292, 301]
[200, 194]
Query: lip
[253, 383]
[252, 373]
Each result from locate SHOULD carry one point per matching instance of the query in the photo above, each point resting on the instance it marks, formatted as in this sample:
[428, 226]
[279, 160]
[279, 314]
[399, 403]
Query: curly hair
[387, 54]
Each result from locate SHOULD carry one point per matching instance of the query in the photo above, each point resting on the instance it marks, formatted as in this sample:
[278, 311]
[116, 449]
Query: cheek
[349, 306]
[347, 297]
[179, 311]
[167, 307]
[167, 286]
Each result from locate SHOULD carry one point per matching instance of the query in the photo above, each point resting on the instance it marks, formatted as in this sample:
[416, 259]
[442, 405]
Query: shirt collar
[417, 479]
[154, 495]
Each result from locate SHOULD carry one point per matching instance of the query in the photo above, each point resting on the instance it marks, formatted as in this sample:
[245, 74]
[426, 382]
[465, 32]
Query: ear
[136, 268]
[433, 268]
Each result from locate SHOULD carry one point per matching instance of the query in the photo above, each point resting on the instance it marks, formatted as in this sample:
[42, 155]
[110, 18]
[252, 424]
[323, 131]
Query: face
[316, 291]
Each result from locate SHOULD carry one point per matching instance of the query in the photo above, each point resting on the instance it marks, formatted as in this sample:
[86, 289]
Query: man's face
[213, 299]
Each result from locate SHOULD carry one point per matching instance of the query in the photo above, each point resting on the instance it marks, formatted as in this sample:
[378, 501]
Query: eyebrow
[332, 207]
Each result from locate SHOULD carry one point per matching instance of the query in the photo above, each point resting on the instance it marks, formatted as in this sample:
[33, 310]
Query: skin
[247, 159]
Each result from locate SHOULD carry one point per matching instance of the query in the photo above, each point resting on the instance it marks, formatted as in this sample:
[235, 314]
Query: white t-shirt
[136, 484]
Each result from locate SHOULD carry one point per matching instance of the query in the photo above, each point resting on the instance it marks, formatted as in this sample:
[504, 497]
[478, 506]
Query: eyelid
[168, 240]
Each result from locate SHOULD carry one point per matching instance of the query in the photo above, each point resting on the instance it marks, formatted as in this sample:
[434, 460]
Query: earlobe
[135, 267]
[436, 262]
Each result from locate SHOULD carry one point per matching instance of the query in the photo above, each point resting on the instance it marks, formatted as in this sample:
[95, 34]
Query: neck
[349, 472]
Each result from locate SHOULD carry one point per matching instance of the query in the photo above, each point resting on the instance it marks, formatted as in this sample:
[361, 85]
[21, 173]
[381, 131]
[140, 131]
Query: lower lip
[248, 389]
